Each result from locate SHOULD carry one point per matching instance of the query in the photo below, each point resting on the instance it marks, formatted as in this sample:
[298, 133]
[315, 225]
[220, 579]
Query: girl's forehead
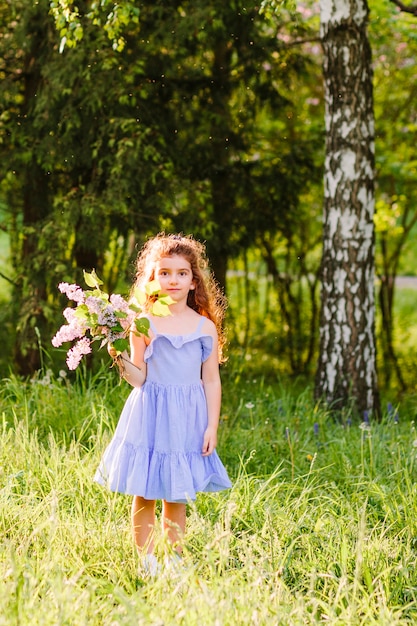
[176, 261]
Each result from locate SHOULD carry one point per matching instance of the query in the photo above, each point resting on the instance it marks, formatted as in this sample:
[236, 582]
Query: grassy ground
[320, 526]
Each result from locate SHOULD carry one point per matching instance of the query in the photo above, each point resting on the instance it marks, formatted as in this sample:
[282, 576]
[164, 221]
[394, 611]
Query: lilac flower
[316, 429]
[68, 332]
[71, 317]
[107, 317]
[119, 303]
[76, 353]
[94, 304]
[100, 316]
[73, 292]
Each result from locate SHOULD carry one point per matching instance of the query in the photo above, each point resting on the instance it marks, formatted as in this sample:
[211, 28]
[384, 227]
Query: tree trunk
[30, 294]
[346, 373]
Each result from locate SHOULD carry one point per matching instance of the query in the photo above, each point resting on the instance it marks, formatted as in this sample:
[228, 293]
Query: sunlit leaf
[91, 279]
[153, 287]
[140, 296]
[165, 299]
[160, 309]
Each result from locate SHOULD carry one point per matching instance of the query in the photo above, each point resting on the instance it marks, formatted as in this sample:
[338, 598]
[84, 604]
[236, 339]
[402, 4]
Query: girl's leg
[173, 523]
[143, 522]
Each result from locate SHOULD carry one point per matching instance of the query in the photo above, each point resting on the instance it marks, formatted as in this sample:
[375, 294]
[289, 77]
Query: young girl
[164, 444]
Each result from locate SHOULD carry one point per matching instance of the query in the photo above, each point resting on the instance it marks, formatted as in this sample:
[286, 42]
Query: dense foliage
[192, 126]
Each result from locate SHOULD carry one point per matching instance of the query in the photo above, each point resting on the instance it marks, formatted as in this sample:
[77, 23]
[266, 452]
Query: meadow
[320, 526]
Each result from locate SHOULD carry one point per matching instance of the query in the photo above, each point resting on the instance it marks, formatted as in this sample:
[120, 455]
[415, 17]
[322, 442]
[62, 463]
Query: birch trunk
[346, 371]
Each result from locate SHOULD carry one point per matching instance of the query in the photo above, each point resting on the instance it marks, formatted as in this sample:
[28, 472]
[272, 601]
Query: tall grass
[320, 526]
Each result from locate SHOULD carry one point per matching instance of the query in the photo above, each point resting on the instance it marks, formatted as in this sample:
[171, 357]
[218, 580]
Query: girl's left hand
[210, 441]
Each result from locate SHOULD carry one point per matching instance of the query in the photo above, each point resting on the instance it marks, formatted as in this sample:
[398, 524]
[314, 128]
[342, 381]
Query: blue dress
[156, 448]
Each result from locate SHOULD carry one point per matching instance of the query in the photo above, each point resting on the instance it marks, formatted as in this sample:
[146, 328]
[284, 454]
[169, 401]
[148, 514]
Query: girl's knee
[142, 503]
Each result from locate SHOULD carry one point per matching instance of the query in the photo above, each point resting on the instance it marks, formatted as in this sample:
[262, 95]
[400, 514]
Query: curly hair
[207, 299]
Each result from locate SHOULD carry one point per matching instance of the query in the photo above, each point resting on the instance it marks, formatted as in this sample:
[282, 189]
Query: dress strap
[201, 323]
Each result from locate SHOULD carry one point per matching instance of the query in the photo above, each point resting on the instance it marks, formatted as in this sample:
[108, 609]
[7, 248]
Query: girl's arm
[134, 368]
[212, 389]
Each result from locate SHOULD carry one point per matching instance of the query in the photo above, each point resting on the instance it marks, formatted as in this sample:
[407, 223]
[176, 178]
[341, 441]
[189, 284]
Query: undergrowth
[319, 527]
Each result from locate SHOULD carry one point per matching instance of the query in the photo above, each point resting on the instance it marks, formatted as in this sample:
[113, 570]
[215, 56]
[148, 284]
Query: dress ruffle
[178, 341]
[174, 477]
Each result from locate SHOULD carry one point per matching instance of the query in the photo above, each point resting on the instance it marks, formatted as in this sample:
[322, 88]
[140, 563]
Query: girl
[164, 444]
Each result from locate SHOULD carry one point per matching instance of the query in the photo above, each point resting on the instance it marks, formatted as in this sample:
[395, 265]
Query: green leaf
[81, 312]
[120, 345]
[92, 280]
[142, 326]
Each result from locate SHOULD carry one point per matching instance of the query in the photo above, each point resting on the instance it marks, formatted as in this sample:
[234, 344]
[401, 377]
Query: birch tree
[346, 370]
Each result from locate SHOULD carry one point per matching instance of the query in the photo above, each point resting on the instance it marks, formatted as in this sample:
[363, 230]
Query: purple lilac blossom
[107, 317]
[94, 304]
[119, 303]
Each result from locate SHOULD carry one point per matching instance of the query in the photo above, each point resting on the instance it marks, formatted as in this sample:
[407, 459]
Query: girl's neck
[183, 320]
[179, 308]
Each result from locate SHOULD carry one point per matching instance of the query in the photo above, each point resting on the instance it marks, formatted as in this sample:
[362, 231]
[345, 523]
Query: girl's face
[175, 276]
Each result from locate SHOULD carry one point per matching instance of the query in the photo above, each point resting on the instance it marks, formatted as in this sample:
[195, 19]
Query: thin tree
[346, 372]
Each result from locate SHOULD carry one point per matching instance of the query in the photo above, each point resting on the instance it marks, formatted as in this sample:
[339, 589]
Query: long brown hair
[207, 298]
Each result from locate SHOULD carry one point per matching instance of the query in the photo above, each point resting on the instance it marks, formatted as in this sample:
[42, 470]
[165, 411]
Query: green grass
[320, 526]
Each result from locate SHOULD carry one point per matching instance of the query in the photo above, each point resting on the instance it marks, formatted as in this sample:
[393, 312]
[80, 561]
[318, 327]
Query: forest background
[207, 121]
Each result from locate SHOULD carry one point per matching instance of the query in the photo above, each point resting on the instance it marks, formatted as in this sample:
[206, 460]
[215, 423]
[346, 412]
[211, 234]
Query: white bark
[347, 360]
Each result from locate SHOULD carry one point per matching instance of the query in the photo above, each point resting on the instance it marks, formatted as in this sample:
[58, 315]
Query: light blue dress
[156, 448]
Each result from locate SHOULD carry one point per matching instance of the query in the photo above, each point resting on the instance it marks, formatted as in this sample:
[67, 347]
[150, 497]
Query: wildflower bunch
[99, 316]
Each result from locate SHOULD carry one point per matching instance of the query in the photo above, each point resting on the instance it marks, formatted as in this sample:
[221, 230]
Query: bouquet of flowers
[99, 316]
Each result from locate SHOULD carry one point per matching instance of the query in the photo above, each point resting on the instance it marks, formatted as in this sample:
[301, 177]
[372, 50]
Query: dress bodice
[177, 359]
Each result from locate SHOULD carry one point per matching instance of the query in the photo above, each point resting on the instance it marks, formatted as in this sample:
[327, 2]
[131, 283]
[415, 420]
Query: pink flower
[73, 292]
[68, 332]
[75, 354]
